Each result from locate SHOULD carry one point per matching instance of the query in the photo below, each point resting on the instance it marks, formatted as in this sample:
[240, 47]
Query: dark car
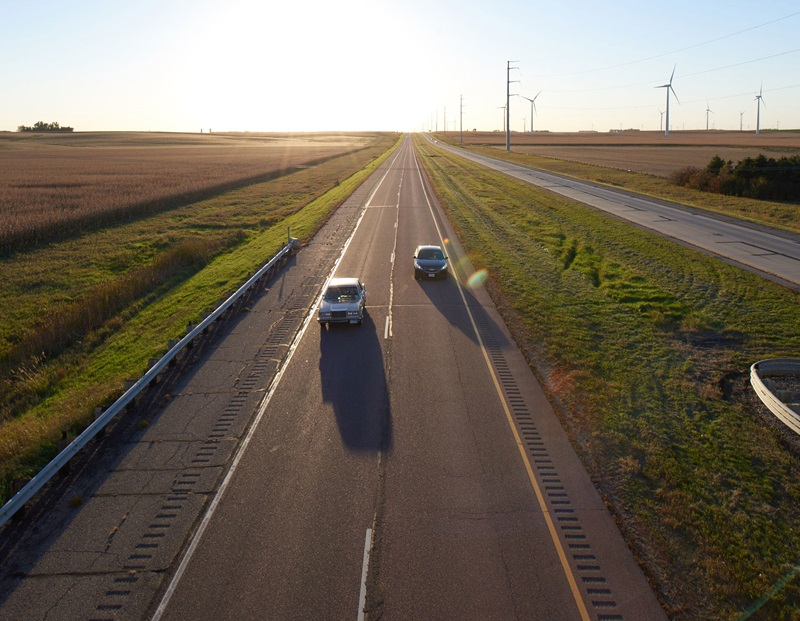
[430, 262]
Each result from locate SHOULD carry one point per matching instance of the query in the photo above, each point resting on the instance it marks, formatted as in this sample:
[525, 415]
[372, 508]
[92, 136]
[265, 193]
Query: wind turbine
[741, 119]
[759, 99]
[533, 106]
[707, 112]
[661, 120]
[668, 87]
[503, 108]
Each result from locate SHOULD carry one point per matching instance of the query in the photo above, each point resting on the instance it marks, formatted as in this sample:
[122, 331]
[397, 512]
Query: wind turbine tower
[661, 121]
[759, 99]
[533, 106]
[708, 110]
[668, 87]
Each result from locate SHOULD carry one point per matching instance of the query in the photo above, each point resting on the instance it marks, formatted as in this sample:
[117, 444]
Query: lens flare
[477, 279]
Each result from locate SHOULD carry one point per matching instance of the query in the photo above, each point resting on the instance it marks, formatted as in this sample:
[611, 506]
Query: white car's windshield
[341, 294]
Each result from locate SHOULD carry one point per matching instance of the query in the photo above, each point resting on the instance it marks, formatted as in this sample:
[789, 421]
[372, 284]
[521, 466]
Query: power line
[680, 76]
[683, 49]
[744, 62]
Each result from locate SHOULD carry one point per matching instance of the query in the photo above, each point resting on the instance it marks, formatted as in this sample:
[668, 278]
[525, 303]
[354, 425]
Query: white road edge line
[190, 550]
[362, 596]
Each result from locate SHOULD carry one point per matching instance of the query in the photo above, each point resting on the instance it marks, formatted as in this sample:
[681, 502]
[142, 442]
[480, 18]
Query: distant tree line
[753, 177]
[41, 126]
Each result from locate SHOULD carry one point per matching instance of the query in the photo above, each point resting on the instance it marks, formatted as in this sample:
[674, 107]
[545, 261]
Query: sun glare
[292, 67]
[477, 279]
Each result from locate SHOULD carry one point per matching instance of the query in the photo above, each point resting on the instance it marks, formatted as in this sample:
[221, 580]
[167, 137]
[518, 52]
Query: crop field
[53, 185]
[87, 302]
[644, 152]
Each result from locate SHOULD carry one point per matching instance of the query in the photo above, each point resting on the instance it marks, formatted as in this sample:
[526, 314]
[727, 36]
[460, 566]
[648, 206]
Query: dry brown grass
[645, 152]
[52, 186]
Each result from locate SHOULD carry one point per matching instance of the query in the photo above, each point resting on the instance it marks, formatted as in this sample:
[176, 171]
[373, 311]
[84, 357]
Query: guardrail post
[63, 443]
[15, 487]
[128, 385]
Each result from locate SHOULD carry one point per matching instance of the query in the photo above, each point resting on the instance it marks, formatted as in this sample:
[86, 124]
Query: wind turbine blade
[674, 93]
[673, 74]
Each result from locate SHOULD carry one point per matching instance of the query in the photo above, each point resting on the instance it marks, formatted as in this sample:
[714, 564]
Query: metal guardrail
[776, 366]
[36, 483]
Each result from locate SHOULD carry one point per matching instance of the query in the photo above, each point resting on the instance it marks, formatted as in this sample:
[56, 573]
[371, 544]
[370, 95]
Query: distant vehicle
[343, 301]
[429, 262]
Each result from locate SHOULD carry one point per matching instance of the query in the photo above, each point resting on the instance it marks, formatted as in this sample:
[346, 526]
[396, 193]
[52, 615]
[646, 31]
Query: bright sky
[309, 65]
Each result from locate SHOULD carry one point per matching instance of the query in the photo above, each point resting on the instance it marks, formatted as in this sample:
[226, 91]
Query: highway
[387, 480]
[769, 252]
[409, 468]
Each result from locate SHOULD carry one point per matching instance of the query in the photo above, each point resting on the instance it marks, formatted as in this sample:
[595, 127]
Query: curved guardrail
[777, 366]
[36, 483]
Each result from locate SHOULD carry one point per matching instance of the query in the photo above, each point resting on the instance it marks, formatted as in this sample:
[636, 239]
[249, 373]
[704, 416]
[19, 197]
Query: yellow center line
[573, 585]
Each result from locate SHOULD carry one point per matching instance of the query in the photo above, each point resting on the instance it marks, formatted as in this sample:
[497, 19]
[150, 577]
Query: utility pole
[508, 102]
[461, 118]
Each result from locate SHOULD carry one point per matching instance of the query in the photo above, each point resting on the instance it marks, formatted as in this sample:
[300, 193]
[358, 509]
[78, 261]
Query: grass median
[644, 347]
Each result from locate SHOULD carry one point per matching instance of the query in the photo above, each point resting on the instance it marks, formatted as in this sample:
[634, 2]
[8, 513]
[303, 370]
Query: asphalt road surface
[772, 253]
[409, 468]
[389, 478]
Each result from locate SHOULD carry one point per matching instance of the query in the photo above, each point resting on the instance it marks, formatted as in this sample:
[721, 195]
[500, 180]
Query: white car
[343, 301]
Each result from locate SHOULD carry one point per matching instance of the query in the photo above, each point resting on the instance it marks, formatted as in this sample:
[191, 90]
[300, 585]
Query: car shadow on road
[354, 383]
[445, 297]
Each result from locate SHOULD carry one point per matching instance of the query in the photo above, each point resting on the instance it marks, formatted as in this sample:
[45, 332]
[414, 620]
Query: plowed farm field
[645, 152]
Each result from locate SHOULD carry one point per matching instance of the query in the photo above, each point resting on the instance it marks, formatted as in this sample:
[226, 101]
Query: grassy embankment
[644, 347]
[781, 215]
[120, 293]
